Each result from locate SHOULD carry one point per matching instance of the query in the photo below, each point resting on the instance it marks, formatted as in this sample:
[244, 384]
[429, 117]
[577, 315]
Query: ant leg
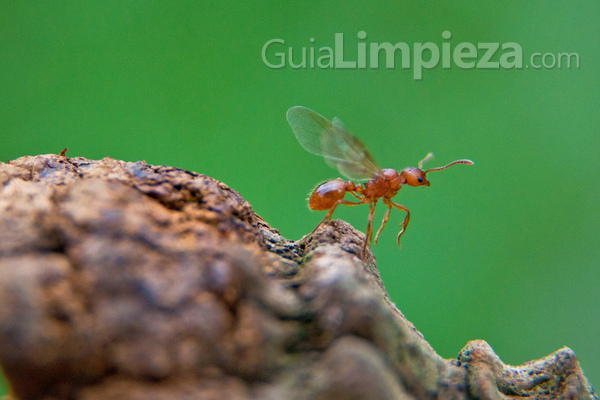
[355, 195]
[404, 224]
[332, 209]
[369, 233]
[385, 220]
[370, 223]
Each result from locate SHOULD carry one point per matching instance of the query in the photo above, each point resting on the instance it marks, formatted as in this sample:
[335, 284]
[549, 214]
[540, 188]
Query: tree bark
[132, 281]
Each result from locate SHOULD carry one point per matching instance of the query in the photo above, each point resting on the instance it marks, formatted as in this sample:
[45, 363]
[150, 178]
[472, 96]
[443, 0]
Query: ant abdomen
[328, 193]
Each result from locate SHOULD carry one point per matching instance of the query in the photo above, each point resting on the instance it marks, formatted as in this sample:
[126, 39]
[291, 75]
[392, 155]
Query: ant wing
[332, 141]
[358, 163]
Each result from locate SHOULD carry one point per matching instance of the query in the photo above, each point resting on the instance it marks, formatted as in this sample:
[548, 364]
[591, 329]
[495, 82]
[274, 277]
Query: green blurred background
[504, 251]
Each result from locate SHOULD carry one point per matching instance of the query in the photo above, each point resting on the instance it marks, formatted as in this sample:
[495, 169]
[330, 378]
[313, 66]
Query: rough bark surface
[131, 281]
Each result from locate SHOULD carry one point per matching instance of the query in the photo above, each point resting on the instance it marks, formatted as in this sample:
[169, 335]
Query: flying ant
[342, 150]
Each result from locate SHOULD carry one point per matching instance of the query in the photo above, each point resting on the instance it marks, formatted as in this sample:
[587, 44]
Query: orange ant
[331, 140]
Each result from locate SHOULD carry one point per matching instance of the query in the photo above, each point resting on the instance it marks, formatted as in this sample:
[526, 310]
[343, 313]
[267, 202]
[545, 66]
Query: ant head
[415, 177]
[418, 177]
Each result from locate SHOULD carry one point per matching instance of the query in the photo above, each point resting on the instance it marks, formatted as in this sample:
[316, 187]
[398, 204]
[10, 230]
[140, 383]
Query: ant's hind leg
[369, 233]
[355, 195]
[332, 210]
[404, 223]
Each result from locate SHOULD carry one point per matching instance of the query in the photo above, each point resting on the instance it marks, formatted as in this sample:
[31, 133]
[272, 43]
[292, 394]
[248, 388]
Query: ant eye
[420, 179]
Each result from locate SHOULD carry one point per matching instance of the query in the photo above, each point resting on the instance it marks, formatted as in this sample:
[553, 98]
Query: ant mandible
[342, 150]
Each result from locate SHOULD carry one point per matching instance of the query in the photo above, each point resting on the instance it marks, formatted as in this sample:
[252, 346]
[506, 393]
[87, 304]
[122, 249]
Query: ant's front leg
[404, 224]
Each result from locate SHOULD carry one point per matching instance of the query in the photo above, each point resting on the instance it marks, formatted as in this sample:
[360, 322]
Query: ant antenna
[468, 162]
[429, 156]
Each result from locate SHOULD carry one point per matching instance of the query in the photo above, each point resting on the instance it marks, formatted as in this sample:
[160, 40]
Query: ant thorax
[384, 184]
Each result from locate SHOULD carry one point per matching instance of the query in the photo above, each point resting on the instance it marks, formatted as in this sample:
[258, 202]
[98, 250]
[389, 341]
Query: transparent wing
[332, 141]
